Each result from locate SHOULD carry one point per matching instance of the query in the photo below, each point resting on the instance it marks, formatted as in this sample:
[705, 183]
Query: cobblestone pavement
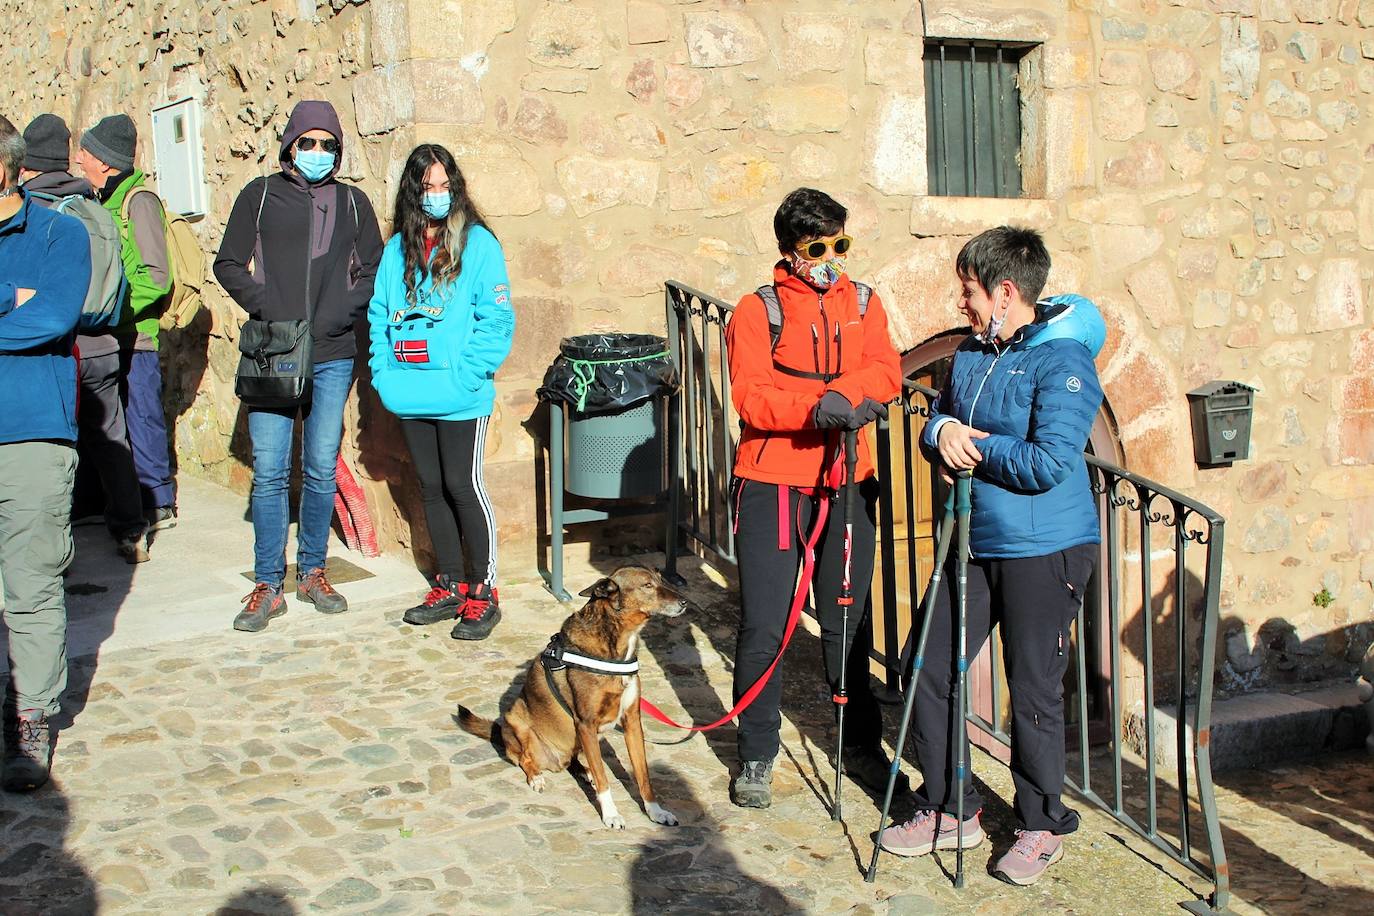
[316, 768]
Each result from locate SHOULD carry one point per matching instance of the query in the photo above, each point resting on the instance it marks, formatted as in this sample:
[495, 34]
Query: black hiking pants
[1035, 599]
[768, 577]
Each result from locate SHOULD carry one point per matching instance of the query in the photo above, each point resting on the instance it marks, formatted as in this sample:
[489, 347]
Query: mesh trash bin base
[616, 455]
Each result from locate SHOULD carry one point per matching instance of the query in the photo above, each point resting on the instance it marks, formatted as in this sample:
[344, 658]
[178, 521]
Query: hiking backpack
[185, 261]
[108, 287]
[769, 295]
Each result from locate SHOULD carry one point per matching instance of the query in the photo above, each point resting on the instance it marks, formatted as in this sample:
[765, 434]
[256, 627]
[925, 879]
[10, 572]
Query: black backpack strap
[864, 292]
[769, 295]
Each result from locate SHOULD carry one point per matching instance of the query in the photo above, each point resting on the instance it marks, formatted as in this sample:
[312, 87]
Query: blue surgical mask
[314, 164]
[436, 204]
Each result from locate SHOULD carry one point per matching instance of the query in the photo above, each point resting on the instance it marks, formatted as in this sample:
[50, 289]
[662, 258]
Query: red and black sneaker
[480, 614]
[443, 602]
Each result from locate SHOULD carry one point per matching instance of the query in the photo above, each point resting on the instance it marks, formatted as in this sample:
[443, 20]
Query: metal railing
[1135, 514]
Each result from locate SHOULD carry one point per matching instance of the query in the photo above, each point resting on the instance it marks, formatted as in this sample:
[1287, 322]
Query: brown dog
[540, 735]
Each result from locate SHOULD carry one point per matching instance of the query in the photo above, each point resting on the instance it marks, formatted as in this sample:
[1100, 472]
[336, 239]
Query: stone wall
[1201, 169]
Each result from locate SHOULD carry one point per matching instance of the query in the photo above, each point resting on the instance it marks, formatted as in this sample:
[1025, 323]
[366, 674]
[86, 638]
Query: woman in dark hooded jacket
[300, 244]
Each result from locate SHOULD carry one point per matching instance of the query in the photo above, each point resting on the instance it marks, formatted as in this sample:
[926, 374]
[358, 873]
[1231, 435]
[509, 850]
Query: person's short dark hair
[807, 213]
[11, 151]
[1006, 253]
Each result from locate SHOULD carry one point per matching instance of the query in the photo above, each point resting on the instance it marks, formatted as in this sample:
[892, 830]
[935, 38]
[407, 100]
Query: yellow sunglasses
[814, 251]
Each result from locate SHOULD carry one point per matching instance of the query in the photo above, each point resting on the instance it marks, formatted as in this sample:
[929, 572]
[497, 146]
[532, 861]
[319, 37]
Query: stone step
[1261, 729]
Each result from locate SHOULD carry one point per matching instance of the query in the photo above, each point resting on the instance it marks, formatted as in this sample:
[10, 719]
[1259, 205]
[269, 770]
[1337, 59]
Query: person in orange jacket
[810, 358]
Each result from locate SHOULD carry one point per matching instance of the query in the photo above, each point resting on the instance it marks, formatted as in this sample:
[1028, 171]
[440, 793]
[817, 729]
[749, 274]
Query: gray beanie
[49, 144]
[112, 141]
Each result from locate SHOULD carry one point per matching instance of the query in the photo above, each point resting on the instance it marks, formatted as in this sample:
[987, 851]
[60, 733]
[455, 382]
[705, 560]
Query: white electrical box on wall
[179, 157]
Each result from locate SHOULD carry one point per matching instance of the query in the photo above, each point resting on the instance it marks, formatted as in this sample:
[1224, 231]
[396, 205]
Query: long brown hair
[411, 221]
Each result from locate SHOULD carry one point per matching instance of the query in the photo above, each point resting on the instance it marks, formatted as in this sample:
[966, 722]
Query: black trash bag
[608, 373]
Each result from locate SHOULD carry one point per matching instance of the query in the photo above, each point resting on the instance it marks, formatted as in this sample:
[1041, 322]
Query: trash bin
[617, 455]
[614, 386]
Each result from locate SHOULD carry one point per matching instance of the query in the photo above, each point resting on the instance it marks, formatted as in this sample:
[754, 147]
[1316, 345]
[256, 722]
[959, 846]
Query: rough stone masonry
[1202, 170]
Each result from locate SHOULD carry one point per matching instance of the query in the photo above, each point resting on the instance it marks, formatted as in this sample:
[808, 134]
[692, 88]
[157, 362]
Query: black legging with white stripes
[448, 460]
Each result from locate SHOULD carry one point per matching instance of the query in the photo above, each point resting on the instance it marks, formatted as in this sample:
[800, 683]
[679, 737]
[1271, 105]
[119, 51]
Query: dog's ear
[601, 588]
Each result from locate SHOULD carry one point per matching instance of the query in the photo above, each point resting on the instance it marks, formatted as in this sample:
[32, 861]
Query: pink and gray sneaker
[1033, 853]
[929, 831]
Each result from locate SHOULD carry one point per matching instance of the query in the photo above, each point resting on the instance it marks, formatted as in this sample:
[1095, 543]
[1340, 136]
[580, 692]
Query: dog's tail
[474, 724]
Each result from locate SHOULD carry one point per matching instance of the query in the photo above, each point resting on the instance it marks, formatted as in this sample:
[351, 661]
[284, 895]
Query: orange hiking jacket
[822, 333]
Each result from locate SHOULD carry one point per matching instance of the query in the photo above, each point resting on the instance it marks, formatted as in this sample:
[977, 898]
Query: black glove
[868, 411]
[833, 412]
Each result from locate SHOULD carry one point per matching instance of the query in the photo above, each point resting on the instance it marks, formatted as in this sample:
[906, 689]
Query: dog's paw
[661, 815]
[538, 783]
[613, 820]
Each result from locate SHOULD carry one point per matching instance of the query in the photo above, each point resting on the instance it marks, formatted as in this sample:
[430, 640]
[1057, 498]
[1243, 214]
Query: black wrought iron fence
[1150, 652]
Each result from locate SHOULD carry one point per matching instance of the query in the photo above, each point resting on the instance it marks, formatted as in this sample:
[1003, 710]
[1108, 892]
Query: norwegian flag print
[411, 351]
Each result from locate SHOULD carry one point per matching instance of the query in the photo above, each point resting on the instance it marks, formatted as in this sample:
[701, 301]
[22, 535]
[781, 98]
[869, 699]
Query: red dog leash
[794, 615]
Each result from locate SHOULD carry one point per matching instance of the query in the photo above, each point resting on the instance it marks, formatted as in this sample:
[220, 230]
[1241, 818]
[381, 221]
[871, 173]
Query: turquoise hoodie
[435, 359]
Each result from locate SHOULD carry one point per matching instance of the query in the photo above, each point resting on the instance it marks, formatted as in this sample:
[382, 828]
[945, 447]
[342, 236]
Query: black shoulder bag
[277, 366]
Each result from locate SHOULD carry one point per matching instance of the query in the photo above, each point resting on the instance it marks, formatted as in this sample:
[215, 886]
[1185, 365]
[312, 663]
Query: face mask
[314, 164]
[989, 333]
[436, 204]
[820, 274]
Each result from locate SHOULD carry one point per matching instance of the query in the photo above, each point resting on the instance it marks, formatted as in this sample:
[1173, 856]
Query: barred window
[973, 117]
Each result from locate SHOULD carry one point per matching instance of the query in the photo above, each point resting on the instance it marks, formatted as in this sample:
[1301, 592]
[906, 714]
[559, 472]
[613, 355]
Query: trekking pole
[962, 508]
[918, 660]
[851, 463]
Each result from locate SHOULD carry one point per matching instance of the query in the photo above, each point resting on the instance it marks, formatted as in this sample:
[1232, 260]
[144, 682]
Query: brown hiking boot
[315, 588]
[28, 750]
[259, 606]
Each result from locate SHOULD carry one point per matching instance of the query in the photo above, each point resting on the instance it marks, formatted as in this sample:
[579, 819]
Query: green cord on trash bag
[584, 374]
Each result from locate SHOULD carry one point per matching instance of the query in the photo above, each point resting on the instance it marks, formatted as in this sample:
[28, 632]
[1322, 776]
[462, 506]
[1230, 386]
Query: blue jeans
[271, 432]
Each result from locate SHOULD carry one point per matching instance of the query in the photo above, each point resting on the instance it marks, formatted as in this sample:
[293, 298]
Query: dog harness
[558, 657]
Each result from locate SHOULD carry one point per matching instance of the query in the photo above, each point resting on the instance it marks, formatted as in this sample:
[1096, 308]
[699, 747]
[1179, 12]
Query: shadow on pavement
[686, 869]
[258, 901]
[38, 876]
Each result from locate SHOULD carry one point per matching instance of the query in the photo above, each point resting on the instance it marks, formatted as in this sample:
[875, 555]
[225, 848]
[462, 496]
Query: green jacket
[146, 294]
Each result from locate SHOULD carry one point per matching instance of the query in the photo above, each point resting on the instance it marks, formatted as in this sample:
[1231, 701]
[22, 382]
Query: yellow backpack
[186, 263]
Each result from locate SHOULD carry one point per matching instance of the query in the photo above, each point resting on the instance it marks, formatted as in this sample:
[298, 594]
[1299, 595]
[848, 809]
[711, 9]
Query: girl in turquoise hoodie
[441, 323]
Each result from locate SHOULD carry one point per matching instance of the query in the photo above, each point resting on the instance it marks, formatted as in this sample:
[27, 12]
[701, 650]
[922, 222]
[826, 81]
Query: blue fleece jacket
[1037, 395]
[49, 253]
[435, 358]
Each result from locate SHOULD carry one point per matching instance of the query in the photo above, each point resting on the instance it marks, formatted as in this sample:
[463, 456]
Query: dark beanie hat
[112, 141]
[48, 143]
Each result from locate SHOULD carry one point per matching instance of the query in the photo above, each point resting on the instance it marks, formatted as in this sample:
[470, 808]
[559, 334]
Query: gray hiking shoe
[1034, 852]
[259, 606]
[753, 787]
[927, 832]
[28, 750]
[315, 588]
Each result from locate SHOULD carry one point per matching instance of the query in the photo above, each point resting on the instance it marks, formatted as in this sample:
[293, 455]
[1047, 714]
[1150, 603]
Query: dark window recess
[973, 118]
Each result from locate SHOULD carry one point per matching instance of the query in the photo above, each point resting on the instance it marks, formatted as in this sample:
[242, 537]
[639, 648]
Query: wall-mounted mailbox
[1221, 422]
[179, 157]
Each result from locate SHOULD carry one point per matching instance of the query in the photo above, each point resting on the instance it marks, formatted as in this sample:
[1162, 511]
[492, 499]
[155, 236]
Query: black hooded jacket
[315, 246]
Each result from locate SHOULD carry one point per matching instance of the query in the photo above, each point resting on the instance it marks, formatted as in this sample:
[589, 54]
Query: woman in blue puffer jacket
[441, 325]
[1016, 411]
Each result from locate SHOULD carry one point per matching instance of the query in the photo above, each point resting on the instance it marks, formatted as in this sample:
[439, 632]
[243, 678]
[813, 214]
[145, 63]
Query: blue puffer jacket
[435, 359]
[1037, 396]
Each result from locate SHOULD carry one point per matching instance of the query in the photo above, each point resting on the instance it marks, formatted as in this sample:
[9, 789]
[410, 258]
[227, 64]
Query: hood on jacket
[60, 184]
[306, 116]
[1068, 316]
